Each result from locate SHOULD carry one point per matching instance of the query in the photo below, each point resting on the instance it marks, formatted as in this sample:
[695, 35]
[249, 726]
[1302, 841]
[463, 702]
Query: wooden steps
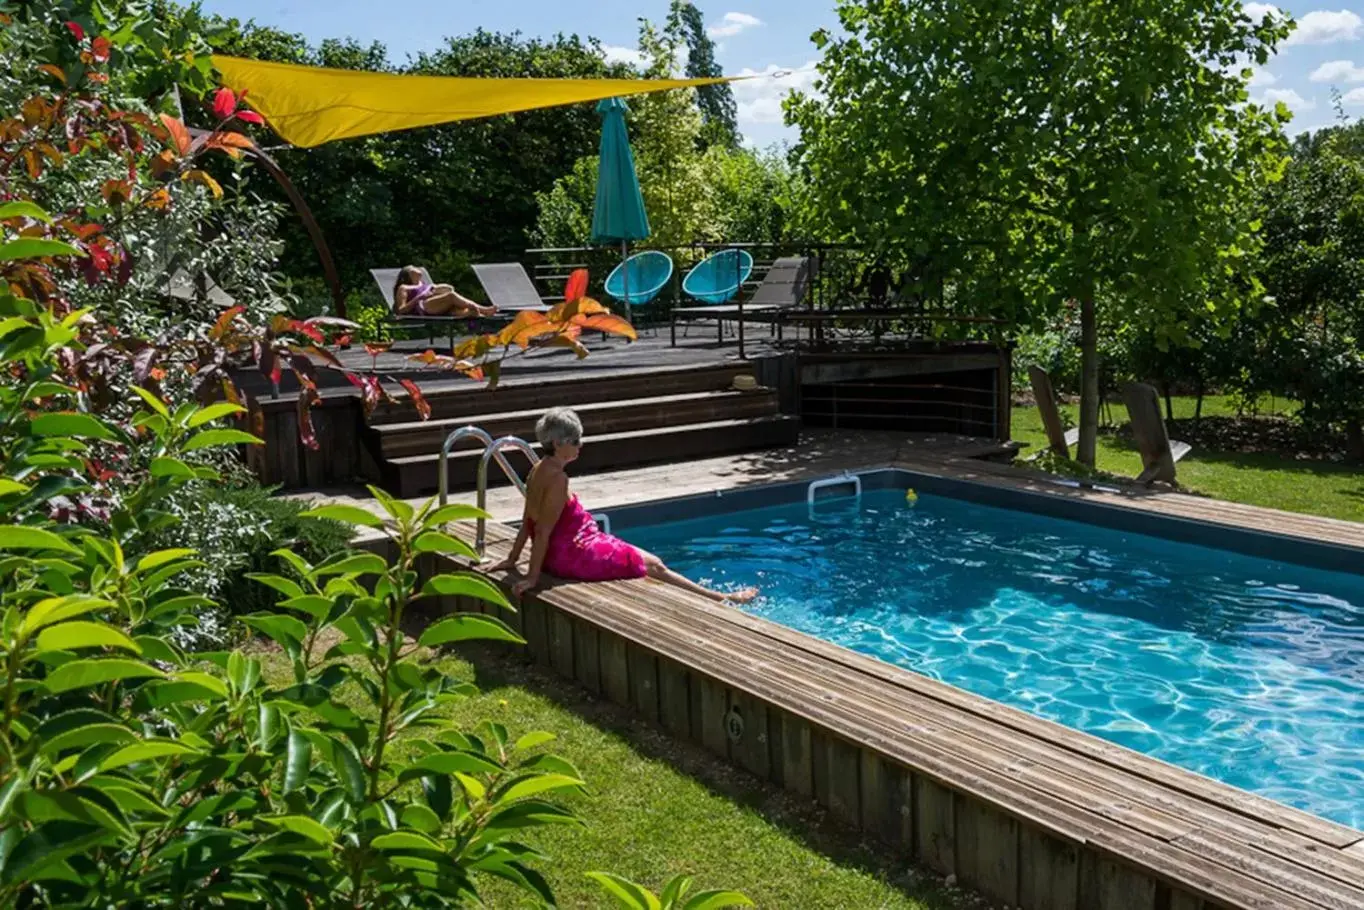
[468, 399]
[630, 418]
[398, 440]
[417, 475]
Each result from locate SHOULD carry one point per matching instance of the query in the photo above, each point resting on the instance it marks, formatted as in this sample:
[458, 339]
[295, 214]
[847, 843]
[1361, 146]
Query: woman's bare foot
[742, 596]
[487, 310]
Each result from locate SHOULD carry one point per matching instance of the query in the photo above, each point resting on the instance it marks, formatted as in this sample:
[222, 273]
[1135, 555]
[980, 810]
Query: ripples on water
[1247, 670]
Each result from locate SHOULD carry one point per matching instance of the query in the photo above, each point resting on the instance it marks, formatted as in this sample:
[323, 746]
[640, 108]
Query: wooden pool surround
[1028, 812]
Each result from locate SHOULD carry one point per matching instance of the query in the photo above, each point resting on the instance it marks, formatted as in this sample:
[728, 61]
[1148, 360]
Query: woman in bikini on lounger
[413, 295]
[565, 540]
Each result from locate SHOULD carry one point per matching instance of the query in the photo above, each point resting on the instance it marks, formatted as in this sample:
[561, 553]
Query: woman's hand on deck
[503, 566]
[524, 585]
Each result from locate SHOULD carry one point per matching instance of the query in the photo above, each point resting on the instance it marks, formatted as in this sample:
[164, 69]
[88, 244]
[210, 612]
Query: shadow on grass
[803, 820]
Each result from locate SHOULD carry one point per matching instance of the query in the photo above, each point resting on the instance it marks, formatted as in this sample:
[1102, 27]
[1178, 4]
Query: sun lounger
[508, 287]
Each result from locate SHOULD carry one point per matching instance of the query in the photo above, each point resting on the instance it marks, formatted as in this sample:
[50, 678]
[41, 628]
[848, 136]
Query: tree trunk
[1169, 404]
[1198, 404]
[1089, 382]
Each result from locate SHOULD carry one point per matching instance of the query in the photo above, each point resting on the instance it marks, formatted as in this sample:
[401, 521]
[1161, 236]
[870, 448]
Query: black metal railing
[854, 295]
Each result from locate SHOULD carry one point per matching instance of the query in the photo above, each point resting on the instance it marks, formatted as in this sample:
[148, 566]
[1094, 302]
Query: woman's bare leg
[445, 301]
[657, 570]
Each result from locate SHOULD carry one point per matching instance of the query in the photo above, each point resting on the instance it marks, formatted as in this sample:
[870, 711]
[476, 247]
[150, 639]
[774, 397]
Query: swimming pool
[1238, 666]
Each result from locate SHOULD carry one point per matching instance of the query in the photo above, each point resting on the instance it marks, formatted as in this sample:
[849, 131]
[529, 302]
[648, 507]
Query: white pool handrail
[840, 480]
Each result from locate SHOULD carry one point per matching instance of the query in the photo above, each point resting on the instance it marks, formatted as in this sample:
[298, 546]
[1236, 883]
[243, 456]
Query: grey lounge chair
[782, 288]
[508, 286]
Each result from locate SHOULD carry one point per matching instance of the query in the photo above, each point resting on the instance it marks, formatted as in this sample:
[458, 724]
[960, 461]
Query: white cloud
[1257, 11]
[614, 53]
[1353, 98]
[1295, 102]
[759, 100]
[1327, 27]
[1259, 77]
[1338, 71]
[733, 23]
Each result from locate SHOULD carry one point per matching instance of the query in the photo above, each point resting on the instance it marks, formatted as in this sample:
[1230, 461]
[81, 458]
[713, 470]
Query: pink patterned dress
[580, 551]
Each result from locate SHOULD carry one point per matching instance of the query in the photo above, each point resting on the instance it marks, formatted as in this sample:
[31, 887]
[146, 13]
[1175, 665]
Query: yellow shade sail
[308, 106]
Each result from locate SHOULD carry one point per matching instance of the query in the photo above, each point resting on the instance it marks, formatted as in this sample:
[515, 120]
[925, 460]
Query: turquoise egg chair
[719, 276]
[649, 273]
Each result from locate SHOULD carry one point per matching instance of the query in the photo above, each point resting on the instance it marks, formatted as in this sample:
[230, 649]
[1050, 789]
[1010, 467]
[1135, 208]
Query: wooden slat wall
[285, 461]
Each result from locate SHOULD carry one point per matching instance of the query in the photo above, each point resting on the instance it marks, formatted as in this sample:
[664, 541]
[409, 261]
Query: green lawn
[659, 807]
[1262, 478]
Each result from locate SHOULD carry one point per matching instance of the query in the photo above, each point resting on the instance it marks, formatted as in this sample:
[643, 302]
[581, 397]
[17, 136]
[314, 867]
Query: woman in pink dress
[565, 541]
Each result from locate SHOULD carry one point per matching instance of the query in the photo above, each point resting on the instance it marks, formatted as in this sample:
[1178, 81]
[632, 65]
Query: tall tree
[1101, 153]
[716, 102]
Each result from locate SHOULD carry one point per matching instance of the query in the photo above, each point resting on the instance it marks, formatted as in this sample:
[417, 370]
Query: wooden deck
[1031, 813]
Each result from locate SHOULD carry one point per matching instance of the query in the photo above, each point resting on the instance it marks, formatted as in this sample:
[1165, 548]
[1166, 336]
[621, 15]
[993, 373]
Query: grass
[659, 807]
[1274, 479]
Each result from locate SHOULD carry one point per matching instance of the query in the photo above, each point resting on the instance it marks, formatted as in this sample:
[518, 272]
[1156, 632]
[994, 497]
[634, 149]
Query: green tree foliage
[721, 193]
[1087, 151]
[719, 113]
[1309, 345]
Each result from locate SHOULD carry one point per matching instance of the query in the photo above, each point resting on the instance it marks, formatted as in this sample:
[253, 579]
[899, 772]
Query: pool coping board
[1027, 811]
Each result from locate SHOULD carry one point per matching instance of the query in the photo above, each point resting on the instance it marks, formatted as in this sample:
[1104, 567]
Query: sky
[773, 36]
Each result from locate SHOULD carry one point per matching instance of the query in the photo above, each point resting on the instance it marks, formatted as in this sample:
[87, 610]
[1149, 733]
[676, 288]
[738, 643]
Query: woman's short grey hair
[558, 426]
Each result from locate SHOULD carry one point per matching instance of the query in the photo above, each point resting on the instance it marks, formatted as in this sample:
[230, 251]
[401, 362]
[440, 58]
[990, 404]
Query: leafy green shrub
[139, 775]
[242, 524]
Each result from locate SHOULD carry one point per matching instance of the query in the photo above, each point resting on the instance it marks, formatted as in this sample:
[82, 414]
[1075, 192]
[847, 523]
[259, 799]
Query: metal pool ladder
[492, 449]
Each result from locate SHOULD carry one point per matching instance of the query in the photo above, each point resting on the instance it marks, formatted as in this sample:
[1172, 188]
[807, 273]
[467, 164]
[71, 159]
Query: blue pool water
[1247, 670]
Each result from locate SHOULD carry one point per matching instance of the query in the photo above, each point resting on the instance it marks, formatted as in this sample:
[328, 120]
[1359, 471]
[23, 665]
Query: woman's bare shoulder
[547, 476]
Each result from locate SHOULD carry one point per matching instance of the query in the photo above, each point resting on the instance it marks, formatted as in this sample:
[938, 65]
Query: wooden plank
[561, 642]
[1182, 900]
[586, 662]
[986, 850]
[1265, 866]
[934, 826]
[887, 802]
[1045, 396]
[710, 703]
[1148, 429]
[514, 618]
[1049, 872]
[615, 673]
[795, 765]
[535, 629]
[674, 698]
[643, 670]
[751, 748]
[1108, 885]
[843, 796]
